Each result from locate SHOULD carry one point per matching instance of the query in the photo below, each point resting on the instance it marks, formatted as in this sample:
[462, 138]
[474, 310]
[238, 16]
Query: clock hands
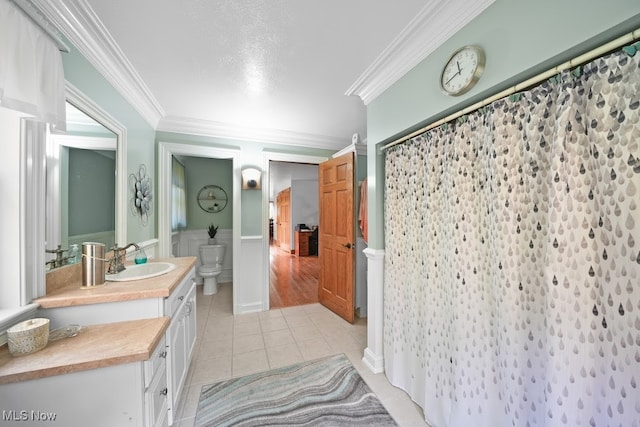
[462, 70]
[457, 73]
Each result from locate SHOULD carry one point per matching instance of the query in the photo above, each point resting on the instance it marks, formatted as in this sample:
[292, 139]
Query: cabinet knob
[164, 391]
[181, 297]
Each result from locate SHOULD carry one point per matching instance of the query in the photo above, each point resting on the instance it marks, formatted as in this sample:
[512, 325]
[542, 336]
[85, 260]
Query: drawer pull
[163, 355]
[181, 297]
[164, 391]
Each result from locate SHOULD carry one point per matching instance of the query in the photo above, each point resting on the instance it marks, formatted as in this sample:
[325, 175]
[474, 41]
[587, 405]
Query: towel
[362, 211]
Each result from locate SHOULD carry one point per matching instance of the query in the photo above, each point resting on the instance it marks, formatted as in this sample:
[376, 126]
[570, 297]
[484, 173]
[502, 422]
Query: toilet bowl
[211, 257]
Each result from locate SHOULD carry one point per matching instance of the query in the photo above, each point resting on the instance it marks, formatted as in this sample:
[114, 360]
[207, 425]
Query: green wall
[140, 134]
[251, 155]
[199, 172]
[91, 177]
[521, 38]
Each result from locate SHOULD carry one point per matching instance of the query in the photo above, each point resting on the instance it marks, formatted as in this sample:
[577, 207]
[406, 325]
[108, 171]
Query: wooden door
[336, 240]
[279, 231]
[284, 219]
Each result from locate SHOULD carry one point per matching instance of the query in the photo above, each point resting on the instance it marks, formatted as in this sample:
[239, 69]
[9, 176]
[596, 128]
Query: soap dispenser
[141, 256]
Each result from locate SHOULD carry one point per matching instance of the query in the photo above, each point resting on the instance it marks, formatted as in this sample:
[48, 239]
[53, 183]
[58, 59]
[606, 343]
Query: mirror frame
[33, 191]
[91, 109]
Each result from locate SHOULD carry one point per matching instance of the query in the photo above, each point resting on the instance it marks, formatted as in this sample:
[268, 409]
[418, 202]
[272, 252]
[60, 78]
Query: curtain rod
[41, 21]
[578, 60]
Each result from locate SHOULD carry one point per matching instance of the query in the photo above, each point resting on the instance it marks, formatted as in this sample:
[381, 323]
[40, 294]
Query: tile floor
[231, 346]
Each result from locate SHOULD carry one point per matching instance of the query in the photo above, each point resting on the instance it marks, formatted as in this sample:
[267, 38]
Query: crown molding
[214, 129]
[77, 21]
[38, 18]
[431, 27]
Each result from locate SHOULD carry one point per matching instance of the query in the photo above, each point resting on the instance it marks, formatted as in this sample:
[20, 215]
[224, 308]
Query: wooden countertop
[70, 293]
[96, 346]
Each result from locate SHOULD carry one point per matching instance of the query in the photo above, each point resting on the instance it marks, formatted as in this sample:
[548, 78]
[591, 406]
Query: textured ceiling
[281, 65]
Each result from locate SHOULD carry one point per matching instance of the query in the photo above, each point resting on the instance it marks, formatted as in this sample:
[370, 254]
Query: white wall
[10, 209]
[304, 203]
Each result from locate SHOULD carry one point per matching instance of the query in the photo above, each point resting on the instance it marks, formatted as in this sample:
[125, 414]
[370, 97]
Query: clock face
[462, 71]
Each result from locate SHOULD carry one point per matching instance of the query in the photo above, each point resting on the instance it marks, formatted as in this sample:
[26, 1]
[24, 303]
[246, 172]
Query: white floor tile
[283, 355]
[231, 346]
[249, 363]
[247, 343]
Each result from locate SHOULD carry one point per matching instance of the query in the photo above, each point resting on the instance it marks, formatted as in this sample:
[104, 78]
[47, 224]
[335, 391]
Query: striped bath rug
[323, 392]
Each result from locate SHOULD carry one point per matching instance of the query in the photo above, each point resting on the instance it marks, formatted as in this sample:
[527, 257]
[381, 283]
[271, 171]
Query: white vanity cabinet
[132, 393]
[179, 305]
[105, 397]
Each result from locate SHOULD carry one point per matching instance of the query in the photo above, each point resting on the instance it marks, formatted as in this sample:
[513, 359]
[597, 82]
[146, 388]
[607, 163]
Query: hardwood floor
[293, 280]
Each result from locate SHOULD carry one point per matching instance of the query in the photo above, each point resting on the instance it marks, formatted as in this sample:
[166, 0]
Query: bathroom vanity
[111, 373]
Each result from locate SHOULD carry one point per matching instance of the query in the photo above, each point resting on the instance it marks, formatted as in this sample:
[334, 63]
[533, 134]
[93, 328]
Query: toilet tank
[211, 254]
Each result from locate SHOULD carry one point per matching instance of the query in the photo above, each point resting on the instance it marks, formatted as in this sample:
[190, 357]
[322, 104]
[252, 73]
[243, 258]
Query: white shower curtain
[512, 257]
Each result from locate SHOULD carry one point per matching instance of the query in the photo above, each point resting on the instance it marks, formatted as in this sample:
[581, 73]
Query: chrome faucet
[59, 260]
[116, 263]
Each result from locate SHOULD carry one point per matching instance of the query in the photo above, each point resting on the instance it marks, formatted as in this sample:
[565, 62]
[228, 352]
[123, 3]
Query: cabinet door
[180, 338]
[156, 400]
[190, 324]
[176, 361]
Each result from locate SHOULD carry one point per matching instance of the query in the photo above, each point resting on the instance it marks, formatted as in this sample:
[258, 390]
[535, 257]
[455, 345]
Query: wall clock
[462, 70]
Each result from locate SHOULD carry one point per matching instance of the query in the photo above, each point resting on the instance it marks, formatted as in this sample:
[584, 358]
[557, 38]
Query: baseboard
[373, 362]
[248, 308]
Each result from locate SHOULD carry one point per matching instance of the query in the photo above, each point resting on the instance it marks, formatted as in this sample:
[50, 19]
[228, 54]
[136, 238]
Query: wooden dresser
[302, 242]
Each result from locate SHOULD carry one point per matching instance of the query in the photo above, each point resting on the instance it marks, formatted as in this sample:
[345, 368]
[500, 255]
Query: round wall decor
[212, 198]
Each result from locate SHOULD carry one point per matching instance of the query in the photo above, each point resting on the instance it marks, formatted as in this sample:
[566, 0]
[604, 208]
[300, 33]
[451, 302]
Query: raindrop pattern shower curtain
[512, 257]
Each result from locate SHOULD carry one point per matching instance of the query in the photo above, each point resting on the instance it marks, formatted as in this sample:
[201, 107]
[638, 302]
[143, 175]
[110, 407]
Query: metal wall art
[141, 202]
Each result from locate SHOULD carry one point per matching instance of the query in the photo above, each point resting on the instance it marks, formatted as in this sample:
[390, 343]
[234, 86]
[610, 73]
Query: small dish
[64, 332]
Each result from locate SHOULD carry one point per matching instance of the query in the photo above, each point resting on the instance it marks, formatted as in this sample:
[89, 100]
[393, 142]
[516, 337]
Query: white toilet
[211, 257]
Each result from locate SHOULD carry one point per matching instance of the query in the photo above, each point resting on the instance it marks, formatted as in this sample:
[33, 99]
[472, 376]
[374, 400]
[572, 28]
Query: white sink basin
[141, 271]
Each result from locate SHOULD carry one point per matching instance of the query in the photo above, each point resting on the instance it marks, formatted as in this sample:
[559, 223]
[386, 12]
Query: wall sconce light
[251, 179]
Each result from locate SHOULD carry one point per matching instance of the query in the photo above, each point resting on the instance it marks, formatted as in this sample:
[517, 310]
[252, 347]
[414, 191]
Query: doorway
[166, 151]
[293, 220]
[284, 266]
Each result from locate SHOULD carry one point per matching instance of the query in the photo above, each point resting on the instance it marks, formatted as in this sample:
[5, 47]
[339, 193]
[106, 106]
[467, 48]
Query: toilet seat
[210, 268]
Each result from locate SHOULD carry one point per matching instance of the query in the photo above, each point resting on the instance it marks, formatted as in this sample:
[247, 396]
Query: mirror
[81, 193]
[81, 168]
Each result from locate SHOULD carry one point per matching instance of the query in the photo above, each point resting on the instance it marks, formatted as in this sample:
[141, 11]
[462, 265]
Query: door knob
[347, 245]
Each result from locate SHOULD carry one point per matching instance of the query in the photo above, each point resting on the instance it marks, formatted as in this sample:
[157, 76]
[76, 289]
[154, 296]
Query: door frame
[266, 182]
[165, 151]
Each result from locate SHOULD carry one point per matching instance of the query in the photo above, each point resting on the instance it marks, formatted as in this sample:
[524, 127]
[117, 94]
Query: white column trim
[373, 355]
